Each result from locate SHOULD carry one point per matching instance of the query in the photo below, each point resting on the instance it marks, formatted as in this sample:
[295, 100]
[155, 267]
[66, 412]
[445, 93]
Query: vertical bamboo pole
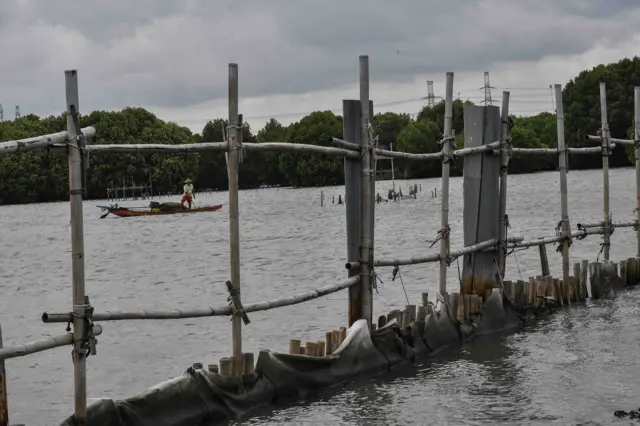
[636, 103]
[504, 165]
[606, 149]
[447, 144]
[234, 226]
[4, 404]
[563, 161]
[77, 250]
[366, 246]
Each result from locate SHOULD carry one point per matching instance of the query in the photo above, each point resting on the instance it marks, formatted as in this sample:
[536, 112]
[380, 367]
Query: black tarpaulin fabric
[204, 399]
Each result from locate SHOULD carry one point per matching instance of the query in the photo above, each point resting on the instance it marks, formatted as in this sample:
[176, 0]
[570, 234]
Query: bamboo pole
[556, 238]
[298, 147]
[504, 165]
[209, 312]
[447, 148]
[366, 237]
[37, 142]
[4, 401]
[144, 148]
[346, 145]
[594, 138]
[636, 113]
[554, 151]
[77, 250]
[41, 345]
[436, 256]
[234, 226]
[605, 169]
[563, 162]
[478, 149]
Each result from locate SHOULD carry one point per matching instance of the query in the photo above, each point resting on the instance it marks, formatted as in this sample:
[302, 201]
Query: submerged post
[366, 236]
[504, 166]
[234, 226]
[636, 103]
[606, 151]
[77, 249]
[448, 141]
[481, 199]
[4, 403]
[565, 228]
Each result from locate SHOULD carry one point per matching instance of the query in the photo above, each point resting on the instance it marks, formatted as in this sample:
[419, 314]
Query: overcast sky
[171, 56]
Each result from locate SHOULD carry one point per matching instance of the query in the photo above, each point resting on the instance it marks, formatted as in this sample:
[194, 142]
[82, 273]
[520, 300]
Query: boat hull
[125, 212]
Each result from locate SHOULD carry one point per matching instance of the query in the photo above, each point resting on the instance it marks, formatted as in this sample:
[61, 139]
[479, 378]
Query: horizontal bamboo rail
[435, 257]
[594, 138]
[42, 345]
[556, 238]
[584, 150]
[44, 141]
[208, 312]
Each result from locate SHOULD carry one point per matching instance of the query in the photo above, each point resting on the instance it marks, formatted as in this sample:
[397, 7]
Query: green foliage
[299, 169]
[36, 176]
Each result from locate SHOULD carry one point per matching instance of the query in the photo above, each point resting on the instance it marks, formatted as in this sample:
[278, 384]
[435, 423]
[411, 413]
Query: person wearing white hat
[188, 195]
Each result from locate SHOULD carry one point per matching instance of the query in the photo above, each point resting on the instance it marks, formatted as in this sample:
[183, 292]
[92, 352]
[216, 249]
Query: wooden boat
[153, 210]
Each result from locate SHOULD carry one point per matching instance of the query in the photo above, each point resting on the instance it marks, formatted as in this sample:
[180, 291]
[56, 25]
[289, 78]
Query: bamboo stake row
[332, 341]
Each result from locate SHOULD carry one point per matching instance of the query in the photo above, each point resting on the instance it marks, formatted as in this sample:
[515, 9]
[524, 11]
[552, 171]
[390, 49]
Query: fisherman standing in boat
[188, 195]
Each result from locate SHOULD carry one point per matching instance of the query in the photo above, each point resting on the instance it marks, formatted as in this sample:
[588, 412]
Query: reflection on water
[576, 367]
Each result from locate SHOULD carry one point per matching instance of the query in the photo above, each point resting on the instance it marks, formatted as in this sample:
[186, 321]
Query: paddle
[105, 215]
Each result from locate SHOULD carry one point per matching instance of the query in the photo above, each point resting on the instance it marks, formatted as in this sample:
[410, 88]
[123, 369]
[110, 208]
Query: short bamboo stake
[294, 347]
[584, 271]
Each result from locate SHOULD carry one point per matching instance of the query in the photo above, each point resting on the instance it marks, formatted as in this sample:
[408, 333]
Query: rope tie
[396, 271]
[565, 237]
[442, 234]
[240, 146]
[451, 140]
[236, 305]
[88, 339]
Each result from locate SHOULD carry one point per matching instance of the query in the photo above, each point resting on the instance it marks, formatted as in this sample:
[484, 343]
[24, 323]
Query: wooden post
[367, 201]
[233, 135]
[481, 198]
[623, 272]
[636, 109]
[504, 167]
[4, 400]
[606, 151]
[563, 163]
[584, 273]
[595, 278]
[352, 131]
[578, 277]
[544, 261]
[77, 249]
[447, 144]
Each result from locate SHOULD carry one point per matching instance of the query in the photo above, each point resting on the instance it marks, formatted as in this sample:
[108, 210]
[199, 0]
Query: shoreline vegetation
[41, 175]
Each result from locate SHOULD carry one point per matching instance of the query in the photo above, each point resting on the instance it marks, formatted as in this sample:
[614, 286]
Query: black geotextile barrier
[200, 398]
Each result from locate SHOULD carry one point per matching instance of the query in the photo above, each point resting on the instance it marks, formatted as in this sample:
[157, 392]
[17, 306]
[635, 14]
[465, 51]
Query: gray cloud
[172, 53]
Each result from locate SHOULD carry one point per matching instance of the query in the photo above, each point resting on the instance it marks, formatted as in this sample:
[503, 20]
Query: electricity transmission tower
[430, 96]
[487, 89]
[17, 112]
[1, 114]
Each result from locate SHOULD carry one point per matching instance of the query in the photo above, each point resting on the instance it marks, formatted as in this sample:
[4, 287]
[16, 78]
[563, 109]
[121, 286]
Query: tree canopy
[41, 175]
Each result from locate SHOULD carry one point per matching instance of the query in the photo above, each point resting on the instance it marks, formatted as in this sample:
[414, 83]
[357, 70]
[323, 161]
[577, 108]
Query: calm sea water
[574, 368]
